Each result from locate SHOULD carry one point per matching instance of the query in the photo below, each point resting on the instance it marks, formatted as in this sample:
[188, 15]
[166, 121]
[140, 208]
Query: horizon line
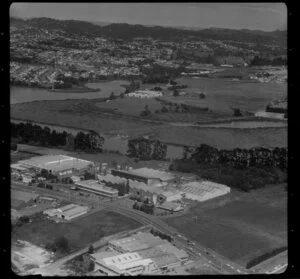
[194, 28]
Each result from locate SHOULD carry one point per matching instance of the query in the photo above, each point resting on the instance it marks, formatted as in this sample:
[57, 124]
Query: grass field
[241, 229]
[79, 233]
[223, 137]
[15, 157]
[223, 94]
[84, 114]
[134, 106]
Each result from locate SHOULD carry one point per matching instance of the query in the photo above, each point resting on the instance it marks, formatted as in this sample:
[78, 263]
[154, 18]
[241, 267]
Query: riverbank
[83, 114]
[82, 89]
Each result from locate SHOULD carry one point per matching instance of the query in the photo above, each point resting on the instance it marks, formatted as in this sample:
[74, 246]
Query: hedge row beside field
[265, 257]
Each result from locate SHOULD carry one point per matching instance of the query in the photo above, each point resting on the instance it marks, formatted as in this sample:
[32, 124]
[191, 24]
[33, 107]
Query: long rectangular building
[56, 164]
[95, 187]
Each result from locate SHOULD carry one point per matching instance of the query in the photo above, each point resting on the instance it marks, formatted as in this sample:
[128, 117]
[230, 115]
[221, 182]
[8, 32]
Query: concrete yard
[30, 256]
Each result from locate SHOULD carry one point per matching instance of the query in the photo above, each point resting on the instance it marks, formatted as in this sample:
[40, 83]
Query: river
[22, 94]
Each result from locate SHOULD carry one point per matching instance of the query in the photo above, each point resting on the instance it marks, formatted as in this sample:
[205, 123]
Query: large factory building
[59, 165]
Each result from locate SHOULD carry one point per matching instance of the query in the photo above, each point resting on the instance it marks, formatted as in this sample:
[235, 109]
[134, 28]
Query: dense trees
[258, 157]
[161, 235]
[112, 96]
[35, 134]
[262, 61]
[245, 169]
[133, 86]
[244, 179]
[60, 244]
[237, 112]
[91, 249]
[147, 149]
[48, 175]
[28, 133]
[145, 207]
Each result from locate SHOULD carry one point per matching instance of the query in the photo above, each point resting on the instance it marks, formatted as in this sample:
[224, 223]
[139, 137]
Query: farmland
[222, 95]
[79, 233]
[223, 137]
[241, 228]
[85, 114]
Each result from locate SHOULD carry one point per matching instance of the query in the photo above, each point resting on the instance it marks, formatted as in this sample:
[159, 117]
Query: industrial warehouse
[161, 188]
[95, 187]
[56, 164]
[67, 212]
[140, 253]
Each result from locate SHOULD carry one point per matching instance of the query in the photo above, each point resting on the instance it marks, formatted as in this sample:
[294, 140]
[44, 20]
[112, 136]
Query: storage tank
[118, 167]
[130, 169]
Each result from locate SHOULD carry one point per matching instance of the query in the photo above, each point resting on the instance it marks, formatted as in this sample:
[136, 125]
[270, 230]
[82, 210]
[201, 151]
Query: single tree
[91, 249]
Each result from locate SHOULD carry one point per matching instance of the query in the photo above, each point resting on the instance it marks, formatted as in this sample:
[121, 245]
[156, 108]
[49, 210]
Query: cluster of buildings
[164, 189]
[41, 76]
[139, 254]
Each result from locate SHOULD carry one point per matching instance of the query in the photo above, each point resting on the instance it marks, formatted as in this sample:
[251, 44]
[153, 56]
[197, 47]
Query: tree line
[145, 207]
[145, 149]
[244, 169]
[259, 157]
[265, 256]
[35, 134]
[261, 61]
[161, 235]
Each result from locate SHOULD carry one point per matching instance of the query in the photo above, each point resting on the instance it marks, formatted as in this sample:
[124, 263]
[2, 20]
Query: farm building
[95, 187]
[67, 212]
[203, 190]
[60, 165]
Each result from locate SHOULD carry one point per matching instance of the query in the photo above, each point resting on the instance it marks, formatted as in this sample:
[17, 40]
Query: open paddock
[241, 229]
[79, 233]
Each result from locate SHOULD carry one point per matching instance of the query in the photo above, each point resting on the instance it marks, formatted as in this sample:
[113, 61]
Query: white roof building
[203, 190]
[55, 163]
[145, 94]
[67, 212]
[127, 264]
[95, 187]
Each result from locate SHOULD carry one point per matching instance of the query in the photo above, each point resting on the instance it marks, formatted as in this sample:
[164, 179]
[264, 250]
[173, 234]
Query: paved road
[57, 268]
[213, 259]
[218, 262]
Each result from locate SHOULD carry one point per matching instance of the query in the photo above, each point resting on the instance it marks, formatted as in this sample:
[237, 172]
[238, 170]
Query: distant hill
[128, 31]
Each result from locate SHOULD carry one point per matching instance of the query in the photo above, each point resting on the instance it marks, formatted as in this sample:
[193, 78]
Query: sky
[261, 16]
